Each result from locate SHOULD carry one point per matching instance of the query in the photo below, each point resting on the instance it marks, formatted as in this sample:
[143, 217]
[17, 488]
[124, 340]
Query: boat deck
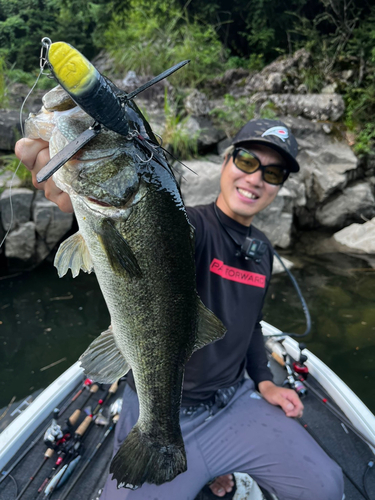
[339, 441]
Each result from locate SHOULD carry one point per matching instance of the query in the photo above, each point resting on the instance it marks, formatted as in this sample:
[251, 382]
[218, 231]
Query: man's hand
[34, 154]
[281, 396]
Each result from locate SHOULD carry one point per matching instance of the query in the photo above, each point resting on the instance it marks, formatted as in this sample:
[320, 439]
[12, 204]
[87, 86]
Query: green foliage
[179, 141]
[360, 112]
[151, 37]
[3, 89]
[11, 163]
[237, 111]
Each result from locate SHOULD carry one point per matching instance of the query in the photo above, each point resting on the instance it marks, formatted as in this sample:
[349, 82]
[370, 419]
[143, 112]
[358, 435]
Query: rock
[131, 81]
[202, 128]
[312, 106]
[356, 200]
[20, 243]
[329, 89]
[232, 82]
[197, 104]
[51, 223]
[10, 129]
[276, 224]
[278, 268]
[302, 89]
[203, 186]
[358, 237]
[9, 180]
[21, 199]
[272, 82]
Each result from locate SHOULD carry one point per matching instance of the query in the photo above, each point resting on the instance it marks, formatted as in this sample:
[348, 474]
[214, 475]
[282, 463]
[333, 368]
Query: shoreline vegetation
[147, 37]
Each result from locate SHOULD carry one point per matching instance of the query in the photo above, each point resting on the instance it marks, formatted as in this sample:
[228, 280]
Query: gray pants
[248, 435]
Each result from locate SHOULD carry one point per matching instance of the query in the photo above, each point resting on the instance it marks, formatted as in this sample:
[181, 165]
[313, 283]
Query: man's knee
[329, 486]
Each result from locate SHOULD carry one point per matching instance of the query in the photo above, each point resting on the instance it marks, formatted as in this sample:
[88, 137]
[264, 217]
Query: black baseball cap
[274, 134]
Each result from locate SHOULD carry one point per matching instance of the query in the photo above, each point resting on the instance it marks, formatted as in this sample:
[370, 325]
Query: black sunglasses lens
[245, 161]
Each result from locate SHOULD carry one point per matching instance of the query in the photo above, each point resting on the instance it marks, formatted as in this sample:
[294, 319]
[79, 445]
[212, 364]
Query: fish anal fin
[210, 328]
[73, 254]
[103, 361]
[118, 251]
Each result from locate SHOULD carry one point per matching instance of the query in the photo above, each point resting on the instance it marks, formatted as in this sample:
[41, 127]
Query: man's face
[243, 195]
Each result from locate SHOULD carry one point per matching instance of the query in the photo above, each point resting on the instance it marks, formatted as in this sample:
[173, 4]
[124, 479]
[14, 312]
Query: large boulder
[197, 104]
[355, 201]
[51, 223]
[20, 243]
[203, 129]
[15, 205]
[312, 106]
[358, 237]
[10, 129]
[200, 184]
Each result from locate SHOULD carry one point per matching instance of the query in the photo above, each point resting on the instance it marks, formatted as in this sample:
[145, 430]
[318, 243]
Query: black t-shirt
[234, 289]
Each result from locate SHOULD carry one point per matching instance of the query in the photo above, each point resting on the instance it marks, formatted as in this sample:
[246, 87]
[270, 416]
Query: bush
[149, 39]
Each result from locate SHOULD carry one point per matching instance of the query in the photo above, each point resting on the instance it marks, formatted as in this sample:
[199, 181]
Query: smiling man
[231, 422]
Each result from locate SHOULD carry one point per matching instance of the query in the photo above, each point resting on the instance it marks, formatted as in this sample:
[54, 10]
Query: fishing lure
[93, 93]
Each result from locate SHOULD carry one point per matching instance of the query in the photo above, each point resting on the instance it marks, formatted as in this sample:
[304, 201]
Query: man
[227, 426]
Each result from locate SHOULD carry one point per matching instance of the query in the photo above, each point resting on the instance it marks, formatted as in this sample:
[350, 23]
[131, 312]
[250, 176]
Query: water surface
[45, 319]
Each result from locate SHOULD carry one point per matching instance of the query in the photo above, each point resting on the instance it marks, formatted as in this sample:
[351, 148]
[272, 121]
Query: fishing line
[42, 65]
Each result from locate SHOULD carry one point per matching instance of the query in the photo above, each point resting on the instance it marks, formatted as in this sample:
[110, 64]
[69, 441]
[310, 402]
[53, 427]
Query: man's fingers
[32, 152]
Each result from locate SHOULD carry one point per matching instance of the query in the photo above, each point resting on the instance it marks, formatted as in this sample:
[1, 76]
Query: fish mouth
[99, 202]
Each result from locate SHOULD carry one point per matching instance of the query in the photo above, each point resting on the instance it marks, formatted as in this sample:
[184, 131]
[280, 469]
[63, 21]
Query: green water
[44, 319]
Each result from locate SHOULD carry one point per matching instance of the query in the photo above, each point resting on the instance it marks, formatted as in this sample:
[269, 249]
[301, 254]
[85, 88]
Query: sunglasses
[250, 163]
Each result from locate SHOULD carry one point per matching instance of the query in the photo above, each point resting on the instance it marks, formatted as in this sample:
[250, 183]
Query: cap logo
[280, 132]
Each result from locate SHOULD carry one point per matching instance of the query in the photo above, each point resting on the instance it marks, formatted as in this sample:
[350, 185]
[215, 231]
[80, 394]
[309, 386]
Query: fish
[134, 233]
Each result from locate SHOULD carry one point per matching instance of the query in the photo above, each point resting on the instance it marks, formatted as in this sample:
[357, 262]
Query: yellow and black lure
[95, 94]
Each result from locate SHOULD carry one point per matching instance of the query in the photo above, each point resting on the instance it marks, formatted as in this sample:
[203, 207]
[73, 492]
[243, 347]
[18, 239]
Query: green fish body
[135, 234]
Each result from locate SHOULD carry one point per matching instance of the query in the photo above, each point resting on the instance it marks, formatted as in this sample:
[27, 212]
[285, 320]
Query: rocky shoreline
[334, 191]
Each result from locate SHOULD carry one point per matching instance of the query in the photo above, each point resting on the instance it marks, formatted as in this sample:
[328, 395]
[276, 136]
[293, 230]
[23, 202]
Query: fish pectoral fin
[73, 254]
[103, 361]
[210, 328]
[118, 251]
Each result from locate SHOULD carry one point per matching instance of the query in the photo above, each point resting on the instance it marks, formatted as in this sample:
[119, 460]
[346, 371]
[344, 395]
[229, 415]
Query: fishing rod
[73, 447]
[48, 454]
[115, 410]
[64, 475]
[87, 383]
[5, 474]
[55, 436]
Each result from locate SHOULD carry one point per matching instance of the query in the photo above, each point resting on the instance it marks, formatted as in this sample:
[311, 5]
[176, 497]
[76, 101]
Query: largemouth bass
[135, 234]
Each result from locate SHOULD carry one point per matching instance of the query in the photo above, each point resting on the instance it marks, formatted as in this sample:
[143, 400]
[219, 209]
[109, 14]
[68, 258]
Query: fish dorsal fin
[210, 328]
[102, 361]
[73, 254]
[118, 251]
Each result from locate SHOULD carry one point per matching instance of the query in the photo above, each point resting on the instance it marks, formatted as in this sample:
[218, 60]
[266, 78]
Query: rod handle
[49, 452]
[113, 388]
[84, 426]
[74, 417]
[94, 388]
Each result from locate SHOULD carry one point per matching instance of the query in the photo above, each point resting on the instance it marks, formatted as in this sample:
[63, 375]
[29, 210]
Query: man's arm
[34, 154]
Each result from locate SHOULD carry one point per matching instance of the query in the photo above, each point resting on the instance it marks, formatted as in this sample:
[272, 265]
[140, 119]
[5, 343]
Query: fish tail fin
[140, 459]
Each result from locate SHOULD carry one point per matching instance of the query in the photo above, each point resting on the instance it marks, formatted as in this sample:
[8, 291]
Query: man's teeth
[249, 195]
